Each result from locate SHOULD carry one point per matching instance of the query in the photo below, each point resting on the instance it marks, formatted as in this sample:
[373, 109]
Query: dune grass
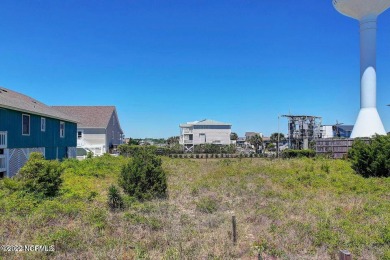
[289, 209]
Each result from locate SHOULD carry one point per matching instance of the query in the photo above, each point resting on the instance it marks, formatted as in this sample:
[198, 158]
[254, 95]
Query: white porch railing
[3, 140]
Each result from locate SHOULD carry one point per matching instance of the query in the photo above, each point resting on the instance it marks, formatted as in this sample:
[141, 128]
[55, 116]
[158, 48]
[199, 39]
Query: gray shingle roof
[19, 102]
[89, 116]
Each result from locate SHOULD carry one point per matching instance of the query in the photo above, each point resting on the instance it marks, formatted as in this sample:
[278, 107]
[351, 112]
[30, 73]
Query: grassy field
[288, 209]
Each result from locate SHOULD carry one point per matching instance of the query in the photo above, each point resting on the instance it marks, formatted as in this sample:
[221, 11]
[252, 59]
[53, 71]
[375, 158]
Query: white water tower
[366, 12]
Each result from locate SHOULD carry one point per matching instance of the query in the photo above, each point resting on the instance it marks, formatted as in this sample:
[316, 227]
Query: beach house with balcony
[204, 132]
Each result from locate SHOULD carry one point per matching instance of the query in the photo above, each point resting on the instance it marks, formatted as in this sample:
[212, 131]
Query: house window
[25, 124]
[43, 124]
[79, 134]
[113, 135]
[62, 129]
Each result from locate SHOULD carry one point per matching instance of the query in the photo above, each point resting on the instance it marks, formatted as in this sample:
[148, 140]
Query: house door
[202, 138]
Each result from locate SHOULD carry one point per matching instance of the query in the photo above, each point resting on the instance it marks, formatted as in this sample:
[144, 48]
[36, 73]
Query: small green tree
[144, 177]
[274, 137]
[256, 141]
[115, 200]
[41, 177]
[270, 146]
[372, 158]
[173, 140]
[233, 136]
[133, 141]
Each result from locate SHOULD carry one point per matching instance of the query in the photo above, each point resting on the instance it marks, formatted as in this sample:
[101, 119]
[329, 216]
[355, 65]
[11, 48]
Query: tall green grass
[291, 209]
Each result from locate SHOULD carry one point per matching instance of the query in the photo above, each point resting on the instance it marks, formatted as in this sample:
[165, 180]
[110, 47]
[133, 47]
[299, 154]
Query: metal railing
[187, 131]
[3, 139]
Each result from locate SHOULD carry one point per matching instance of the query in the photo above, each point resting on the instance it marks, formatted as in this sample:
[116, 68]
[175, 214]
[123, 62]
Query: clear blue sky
[162, 63]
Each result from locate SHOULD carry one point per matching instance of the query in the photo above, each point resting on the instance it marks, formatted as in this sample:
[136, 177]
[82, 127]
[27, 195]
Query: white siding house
[204, 131]
[98, 130]
[326, 131]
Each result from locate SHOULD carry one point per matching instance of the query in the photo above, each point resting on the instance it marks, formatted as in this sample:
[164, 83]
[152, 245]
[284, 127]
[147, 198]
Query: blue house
[27, 125]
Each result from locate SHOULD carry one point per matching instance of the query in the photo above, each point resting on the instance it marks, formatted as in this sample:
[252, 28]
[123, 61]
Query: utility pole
[277, 146]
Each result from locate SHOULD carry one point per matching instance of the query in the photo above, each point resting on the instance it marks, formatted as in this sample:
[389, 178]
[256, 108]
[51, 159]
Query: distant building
[303, 130]
[327, 131]
[98, 128]
[27, 125]
[343, 131]
[202, 132]
[248, 135]
[241, 141]
[335, 131]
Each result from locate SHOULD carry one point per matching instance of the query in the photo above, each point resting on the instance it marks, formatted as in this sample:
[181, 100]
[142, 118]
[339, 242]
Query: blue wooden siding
[11, 121]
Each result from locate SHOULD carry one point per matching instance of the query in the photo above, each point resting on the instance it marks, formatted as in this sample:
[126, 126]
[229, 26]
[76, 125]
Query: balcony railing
[187, 131]
[3, 139]
[188, 141]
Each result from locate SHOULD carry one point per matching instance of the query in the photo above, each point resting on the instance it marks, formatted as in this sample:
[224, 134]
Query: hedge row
[131, 150]
[204, 156]
[289, 153]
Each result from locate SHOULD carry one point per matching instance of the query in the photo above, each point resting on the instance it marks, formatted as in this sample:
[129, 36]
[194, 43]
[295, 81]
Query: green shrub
[115, 200]
[132, 150]
[290, 153]
[144, 177]
[90, 155]
[371, 158]
[40, 177]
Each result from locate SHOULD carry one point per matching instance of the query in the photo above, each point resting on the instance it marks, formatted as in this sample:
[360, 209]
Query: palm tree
[233, 136]
[173, 140]
[274, 137]
[256, 141]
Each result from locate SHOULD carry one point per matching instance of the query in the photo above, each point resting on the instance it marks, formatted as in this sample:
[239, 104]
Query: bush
[372, 158]
[289, 153]
[131, 150]
[144, 177]
[115, 200]
[89, 155]
[41, 177]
